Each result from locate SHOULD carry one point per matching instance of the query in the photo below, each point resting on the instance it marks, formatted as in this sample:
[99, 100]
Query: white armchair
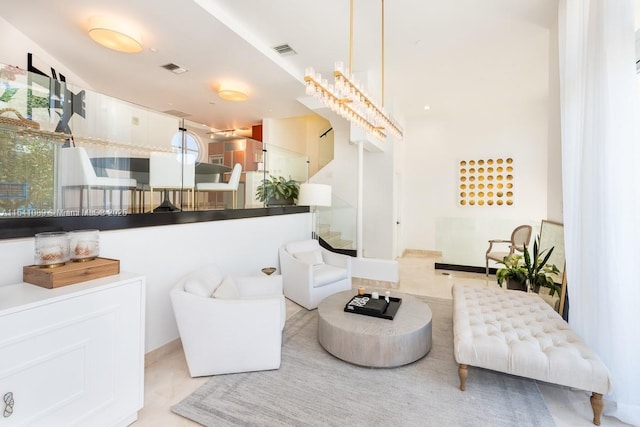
[310, 273]
[229, 324]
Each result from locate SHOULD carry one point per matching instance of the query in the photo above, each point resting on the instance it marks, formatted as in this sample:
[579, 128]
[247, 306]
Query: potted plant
[513, 273]
[278, 191]
[529, 271]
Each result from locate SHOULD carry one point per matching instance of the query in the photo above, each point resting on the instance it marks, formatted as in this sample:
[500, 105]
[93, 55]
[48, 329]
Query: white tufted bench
[518, 333]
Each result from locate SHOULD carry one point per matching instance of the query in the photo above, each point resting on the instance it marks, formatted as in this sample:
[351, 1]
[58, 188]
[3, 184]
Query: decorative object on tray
[70, 273]
[51, 249]
[377, 307]
[84, 245]
[269, 270]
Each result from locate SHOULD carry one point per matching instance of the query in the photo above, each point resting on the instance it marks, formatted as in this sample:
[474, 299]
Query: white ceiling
[448, 54]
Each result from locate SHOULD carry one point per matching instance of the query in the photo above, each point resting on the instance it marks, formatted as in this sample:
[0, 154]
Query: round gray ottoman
[371, 341]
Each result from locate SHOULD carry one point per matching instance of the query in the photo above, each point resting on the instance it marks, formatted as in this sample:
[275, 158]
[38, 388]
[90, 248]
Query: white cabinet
[72, 356]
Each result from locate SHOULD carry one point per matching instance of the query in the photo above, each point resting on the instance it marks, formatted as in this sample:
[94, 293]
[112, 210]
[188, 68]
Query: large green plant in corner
[530, 269]
[278, 191]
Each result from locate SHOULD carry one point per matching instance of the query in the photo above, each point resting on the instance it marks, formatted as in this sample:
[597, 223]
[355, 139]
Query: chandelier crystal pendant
[347, 97]
[318, 88]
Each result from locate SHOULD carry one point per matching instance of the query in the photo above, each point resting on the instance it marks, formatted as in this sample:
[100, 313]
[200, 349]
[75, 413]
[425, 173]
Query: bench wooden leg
[462, 373]
[597, 405]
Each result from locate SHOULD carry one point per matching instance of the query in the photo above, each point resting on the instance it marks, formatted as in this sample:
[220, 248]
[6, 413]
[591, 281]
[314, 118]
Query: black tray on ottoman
[364, 304]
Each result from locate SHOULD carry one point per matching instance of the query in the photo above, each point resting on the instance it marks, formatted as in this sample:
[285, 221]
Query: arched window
[192, 144]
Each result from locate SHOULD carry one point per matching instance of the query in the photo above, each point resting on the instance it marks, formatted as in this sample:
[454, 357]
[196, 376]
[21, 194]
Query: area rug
[313, 388]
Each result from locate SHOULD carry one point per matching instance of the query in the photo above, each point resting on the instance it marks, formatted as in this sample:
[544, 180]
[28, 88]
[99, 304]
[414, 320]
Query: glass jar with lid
[84, 244]
[52, 248]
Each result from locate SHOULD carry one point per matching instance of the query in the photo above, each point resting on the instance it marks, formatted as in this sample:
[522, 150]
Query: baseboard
[374, 284]
[421, 252]
[154, 355]
[466, 268]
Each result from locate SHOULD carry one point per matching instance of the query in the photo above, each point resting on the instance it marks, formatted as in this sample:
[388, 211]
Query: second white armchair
[310, 273]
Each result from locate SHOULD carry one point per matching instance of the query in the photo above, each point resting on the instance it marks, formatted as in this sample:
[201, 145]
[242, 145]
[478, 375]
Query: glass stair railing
[336, 226]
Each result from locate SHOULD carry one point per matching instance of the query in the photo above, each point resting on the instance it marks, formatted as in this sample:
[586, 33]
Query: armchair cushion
[203, 282]
[325, 274]
[227, 289]
[302, 246]
[313, 257]
[258, 286]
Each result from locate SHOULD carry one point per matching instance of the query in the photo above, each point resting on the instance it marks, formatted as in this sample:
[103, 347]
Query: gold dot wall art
[486, 182]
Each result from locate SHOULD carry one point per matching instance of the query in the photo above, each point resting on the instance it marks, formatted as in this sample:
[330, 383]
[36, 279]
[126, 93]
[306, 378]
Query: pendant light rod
[351, 37]
[382, 44]
[348, 98]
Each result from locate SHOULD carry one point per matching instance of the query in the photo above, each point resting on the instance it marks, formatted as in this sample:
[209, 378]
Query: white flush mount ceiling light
[232, 91]
[115, 34]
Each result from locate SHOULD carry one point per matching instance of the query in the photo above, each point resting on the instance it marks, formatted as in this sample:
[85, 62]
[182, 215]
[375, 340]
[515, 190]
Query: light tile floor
[167, 380]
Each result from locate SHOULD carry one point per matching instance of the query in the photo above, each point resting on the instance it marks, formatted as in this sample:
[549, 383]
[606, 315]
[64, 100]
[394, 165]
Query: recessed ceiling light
[427, 108]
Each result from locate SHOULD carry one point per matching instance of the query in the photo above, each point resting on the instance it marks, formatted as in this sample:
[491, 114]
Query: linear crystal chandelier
[347, 97]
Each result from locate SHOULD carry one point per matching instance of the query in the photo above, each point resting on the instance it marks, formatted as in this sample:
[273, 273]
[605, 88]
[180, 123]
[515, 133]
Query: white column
[359, 208]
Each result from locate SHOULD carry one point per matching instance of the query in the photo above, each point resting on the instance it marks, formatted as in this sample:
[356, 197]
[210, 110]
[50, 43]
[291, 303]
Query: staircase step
[323, 228]
[333, 238]
[331, 235]
[343, 244]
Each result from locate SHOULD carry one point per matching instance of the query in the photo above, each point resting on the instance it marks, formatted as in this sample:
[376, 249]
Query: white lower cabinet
[72, 356]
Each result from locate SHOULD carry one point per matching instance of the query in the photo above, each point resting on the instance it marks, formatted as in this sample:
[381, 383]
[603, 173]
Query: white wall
[378, 222]
[116, 121]
[15, 47]
[164, 254]
[289, 134]
[318, 149]
[434, 146]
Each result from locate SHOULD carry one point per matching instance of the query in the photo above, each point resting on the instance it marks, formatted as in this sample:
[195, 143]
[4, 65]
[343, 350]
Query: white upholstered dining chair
[77, 172]
[168, 171]
[231, 185]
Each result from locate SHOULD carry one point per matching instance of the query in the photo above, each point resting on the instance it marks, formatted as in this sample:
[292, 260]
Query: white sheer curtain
[601, 188]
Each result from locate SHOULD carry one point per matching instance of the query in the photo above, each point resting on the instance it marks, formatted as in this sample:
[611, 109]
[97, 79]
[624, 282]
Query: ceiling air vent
[284, 49]
[174, 68]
